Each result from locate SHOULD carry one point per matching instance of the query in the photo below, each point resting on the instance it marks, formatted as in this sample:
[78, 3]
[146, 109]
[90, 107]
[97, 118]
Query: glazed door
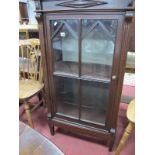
[84, 54]
[65, 65]
[98, 41]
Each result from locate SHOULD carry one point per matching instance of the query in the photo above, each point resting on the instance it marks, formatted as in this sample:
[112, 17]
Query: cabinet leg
[28, 114]
[124, 138]
[51, 126]
[43, 98]
[111, 143]
[112, 139]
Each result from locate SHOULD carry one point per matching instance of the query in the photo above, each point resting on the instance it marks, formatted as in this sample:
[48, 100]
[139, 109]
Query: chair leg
[28, 114]
[125, 137]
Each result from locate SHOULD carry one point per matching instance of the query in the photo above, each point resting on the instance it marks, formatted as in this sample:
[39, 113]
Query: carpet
[74, 145]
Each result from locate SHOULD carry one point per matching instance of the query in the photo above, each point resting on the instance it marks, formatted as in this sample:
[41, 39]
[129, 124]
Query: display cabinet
[84, 46]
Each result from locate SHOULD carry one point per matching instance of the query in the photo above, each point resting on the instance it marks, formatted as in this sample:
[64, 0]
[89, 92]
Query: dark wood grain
[119, 10]
[23, 12]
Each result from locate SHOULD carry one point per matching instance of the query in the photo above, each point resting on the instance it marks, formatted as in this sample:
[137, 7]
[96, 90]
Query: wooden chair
[129, 128]
[30, 71]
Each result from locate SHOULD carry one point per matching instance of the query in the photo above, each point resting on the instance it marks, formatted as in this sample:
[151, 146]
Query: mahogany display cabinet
[84, 45]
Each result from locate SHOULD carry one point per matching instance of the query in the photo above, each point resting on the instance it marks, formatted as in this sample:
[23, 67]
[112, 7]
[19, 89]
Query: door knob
[114, 77]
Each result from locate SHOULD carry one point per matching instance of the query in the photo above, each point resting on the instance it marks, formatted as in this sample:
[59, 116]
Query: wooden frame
[48, 11]
[116, 54]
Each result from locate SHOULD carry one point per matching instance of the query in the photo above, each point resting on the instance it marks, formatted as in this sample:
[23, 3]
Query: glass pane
[65, 45]
[94, 98]
[66, 96]
[98, 47]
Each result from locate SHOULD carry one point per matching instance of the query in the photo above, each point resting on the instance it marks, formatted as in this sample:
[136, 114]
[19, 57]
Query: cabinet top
[84, 5]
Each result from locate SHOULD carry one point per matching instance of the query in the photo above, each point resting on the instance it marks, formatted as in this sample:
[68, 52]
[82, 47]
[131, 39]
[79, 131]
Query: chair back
[30, 60]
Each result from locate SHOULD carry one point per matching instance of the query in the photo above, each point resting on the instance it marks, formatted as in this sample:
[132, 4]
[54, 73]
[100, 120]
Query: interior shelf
[88, 114]
[89, 77]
